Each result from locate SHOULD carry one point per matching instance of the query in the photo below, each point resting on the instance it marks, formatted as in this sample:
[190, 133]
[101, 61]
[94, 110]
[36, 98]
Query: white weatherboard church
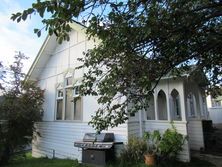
[66, 115]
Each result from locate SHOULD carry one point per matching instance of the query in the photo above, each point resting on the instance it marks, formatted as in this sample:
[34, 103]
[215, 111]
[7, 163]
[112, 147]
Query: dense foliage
[171, 144]
[20, 108]
[2, 75]
[167, 145]
[153, 140]
[133, 152]
[142, 40]
[164, 146]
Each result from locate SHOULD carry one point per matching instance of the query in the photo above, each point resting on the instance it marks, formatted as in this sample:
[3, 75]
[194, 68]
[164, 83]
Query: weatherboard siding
[215, 114]
[63, 57]
[162, 126]
[151, 125]
[57, 138]
[195, 132]
[134, 128]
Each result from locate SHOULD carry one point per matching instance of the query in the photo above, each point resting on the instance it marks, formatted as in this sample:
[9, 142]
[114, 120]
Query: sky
[18, 36]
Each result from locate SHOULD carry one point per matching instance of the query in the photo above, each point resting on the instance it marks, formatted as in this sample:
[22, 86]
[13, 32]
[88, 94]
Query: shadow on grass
[195, 162]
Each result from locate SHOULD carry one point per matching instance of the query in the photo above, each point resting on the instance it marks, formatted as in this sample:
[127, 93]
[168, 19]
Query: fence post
[53, 153]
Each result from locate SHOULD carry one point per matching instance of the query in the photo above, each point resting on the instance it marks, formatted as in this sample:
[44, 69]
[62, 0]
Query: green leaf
[60, 39]
[38, 33]
[50, 31]
[24, 15]
[30, 11]
[36, 30]
[18, 19]
[41, 12]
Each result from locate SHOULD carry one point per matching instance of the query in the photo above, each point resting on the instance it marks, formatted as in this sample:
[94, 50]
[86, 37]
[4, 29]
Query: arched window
[191, 105]
[176, 109]
[150, 112]
[162, 105]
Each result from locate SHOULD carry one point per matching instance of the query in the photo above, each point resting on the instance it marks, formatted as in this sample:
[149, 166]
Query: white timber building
[66, 117]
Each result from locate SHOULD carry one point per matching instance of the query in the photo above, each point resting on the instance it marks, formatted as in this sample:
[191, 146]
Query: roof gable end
[46, 51]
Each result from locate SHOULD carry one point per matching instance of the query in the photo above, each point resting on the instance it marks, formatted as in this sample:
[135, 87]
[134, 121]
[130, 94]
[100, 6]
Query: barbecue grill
[97, 149]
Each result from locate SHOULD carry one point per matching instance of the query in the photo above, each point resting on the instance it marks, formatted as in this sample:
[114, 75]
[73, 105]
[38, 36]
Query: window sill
[69, 121]
[165, 121]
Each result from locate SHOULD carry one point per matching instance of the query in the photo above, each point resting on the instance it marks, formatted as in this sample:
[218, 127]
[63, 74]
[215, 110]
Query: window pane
[60, 93]
[162, 105]
[176, 111]
[192, 112]
[59, 110]
[69, 81]
[68, 106]
[151, 110]
[177, 106]
[77, 109]
[76, 90]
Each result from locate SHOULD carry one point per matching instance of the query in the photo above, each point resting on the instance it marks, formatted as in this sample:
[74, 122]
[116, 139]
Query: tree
[20, 108]
[2, 75]
[142, 40]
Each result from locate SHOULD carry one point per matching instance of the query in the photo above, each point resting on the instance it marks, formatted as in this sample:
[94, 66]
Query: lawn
[28, 161]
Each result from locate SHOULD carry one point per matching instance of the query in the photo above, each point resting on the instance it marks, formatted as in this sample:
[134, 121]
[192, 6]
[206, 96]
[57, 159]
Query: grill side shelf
[91, 145]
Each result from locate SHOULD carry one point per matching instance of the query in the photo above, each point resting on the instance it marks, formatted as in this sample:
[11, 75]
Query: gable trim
[75, 26]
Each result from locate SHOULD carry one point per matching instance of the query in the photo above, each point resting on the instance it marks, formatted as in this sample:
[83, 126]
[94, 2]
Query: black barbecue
[97, 149]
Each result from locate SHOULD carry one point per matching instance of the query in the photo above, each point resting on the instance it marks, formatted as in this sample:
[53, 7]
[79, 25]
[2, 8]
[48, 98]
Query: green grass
[194, 163]
[28, 161]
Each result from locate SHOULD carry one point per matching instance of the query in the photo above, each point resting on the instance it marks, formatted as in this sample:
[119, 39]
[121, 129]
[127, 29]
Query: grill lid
[102, 137]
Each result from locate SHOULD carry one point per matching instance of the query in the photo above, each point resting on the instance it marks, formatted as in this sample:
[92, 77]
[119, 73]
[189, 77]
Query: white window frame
[192, 105]
[66, 87]
[77, 84]
[59, 88]
[63, 87]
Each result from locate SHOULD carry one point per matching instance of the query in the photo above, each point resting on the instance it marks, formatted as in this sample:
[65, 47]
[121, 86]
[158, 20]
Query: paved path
[216, 160]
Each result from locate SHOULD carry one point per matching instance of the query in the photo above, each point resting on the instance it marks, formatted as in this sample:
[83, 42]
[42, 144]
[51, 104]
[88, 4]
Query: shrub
[165, 146]
[171, 144]
[21, 107]
[133, 152]
[152, 140]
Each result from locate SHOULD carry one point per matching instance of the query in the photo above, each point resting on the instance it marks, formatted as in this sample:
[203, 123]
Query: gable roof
[50, 44]
[46, 51]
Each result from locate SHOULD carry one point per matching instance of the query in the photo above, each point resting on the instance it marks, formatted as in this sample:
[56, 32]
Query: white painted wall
[134, 124]
[194, 126]
[215, 114]
[191, 86]
[59, 135]
[209, 101]
[168, 85]
[195, 131]
[64, 57]
[134, 128]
